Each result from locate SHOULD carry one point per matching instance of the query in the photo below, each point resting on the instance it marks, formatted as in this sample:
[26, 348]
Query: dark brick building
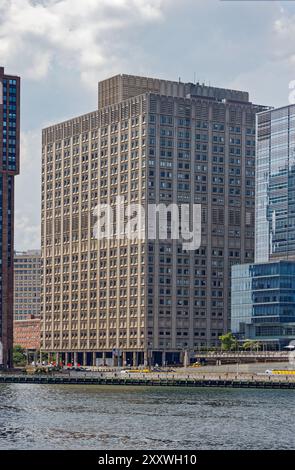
[9, 167]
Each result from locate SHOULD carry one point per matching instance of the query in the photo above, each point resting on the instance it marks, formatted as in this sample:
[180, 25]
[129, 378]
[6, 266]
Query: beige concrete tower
[150, 142]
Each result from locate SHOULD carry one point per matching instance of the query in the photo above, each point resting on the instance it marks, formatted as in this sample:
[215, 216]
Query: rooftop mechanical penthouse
[150, 141]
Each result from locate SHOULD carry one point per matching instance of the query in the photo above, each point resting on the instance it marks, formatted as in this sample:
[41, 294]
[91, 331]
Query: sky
[62, 48]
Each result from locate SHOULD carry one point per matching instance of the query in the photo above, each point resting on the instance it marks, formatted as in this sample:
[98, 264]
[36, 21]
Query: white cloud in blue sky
[61, 48]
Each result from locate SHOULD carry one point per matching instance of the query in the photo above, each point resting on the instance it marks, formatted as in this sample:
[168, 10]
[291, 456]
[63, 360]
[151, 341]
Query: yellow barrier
[283, 372]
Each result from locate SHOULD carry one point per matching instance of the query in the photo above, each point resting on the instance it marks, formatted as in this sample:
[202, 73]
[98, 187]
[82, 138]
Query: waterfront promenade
[223, 376]
[243, 357]
[221, 381]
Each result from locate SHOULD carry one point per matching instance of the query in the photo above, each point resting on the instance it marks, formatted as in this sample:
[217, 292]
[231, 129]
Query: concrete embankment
[208, 380]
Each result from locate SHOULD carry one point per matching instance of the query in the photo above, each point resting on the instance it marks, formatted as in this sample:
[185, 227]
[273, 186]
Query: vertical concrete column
[57, 358]
[75, 359]
[148, 355]
[124, 358]
[94, 359]
[135, 358]
[185, 359]
[145, 359]
[66, 359]
[84, 359]
[164, 358]
[103, 358]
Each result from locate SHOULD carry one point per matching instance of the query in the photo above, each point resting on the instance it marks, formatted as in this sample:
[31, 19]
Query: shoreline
[222, 381]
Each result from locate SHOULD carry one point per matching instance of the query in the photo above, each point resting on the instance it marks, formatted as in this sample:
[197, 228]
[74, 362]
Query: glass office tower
[9, 167]
[275, 185]
[263, 302]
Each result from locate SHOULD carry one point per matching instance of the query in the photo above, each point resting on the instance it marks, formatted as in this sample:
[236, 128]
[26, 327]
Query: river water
[99, 417]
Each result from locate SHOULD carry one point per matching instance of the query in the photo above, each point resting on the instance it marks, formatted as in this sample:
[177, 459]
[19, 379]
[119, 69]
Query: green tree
[19, 358]
[228, 342]
[251, 345]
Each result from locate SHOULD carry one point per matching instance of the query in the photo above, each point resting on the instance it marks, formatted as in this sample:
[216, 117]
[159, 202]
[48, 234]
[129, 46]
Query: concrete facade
[27, 284]
[145, 301]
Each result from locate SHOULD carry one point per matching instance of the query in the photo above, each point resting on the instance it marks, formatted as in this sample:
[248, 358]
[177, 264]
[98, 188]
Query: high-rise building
[263, 301]
[275, 185]
[27, 284]
[9, 167]
[150, 142]
[120, 88]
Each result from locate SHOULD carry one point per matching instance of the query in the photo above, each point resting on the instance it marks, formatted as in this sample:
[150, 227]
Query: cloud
[28, 234]
[35, 36]
[61, 48]
[284, 33]
[269, 79]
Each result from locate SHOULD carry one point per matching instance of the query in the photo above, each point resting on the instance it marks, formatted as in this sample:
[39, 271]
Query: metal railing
[231, 354]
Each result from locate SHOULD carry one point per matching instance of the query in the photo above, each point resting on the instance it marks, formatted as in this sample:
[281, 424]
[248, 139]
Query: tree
[19, 358]
[228, 342]
[251, 345]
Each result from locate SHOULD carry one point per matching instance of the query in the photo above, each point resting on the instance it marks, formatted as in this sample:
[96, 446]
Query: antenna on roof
[195, 77]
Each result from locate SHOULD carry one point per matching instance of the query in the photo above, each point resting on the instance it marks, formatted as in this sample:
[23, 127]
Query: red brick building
[26, 333]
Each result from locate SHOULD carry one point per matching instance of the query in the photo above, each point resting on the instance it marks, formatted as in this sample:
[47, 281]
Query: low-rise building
[27, 284]
[27, 333]
[263, 302]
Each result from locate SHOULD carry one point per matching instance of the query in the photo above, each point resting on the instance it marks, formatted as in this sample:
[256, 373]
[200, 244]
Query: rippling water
[78, 417]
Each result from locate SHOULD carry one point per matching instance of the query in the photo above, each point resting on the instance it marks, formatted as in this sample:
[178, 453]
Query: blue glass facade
[9, 134]
[263, 294]
[263, 302]
[275, 185]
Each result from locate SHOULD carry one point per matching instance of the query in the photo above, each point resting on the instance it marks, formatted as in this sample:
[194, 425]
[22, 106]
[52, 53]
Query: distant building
[275, 185]
[27, 284]
[263, 302]
[263, 294]
[9, 167]
[150, 141]
[27, 333]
